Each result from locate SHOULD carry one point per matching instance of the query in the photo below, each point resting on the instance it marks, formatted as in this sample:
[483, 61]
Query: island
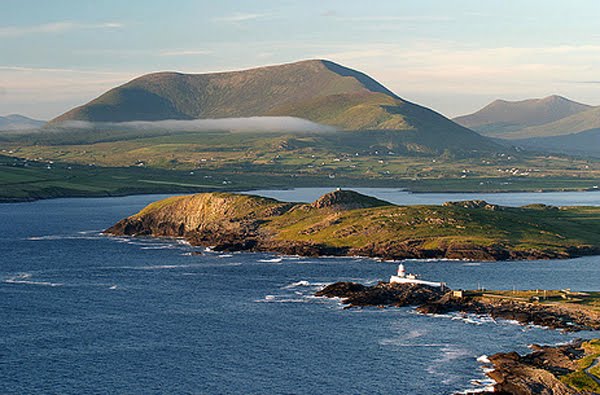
[347, 223]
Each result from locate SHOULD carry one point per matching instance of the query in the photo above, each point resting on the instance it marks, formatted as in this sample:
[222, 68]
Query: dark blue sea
[85, 313]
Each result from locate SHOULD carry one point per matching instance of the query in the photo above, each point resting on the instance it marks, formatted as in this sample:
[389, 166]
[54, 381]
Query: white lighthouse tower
[409, 278]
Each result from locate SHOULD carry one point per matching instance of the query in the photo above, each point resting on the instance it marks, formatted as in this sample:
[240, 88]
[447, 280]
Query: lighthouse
[408, 278]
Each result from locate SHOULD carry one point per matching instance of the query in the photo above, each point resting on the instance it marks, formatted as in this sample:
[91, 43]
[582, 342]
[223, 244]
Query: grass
[579, 379]
[425, 227]
[266, 160]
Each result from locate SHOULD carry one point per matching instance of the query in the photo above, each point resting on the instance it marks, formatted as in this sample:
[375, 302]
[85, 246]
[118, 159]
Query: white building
[409, 278]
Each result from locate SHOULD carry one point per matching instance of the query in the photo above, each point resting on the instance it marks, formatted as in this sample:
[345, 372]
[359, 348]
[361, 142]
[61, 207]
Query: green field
[125, 162]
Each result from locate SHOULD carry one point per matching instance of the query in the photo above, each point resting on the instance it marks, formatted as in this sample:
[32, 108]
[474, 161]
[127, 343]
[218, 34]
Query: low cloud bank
[250, 124]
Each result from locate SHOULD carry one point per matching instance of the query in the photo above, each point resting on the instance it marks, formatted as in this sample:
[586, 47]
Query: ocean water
[85, 313]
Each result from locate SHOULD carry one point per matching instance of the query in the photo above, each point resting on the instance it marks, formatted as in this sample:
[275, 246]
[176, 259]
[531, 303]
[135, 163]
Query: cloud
[394, 18]
[240, 17]
[185, 52]
[55, 27]
[583, 82]
[250, 124]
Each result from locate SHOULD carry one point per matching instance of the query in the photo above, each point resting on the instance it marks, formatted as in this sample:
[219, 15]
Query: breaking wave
[24, 278]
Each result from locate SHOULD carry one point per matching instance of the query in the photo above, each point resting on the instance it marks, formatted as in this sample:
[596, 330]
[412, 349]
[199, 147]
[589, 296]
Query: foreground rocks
[381, 295]
[540, 372]
[433, 300]
[552, 316]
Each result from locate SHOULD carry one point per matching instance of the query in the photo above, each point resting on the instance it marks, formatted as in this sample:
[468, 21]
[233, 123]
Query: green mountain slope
[503, 118]
[586, 143]
[317, 90]
[583, 121]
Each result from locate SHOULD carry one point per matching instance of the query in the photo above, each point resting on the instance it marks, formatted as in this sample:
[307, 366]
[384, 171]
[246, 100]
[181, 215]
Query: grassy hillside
[134, 162]
[580, 122]
[586, 143]
[503, 118]
[317, 90]
[345, 222]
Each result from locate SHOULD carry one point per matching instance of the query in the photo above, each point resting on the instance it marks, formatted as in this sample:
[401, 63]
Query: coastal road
[590, 375]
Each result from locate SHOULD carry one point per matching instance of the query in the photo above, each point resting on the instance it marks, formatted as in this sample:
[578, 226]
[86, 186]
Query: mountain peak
[15, 122]
[317, 90]
[503, 116]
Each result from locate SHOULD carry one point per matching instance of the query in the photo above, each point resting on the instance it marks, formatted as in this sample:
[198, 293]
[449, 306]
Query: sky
[452, 56]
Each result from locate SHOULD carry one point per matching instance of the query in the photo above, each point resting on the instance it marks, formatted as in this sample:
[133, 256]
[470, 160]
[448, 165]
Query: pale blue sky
[452, 56]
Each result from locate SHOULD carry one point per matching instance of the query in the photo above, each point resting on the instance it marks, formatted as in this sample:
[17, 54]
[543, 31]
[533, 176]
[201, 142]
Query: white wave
[156, 267]
[304, 283]
[87, 232]
[472, 264]
[59, 237]
[483, 359]
[159, 247]
[403, 343]
[225, 256]
[273, 260]
[23, 278]
[438, 366]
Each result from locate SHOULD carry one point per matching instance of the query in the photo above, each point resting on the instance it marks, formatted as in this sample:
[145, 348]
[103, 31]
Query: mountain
[580, 122]
[317, 90]
[19, 122]
[585, 143]
[505, 119]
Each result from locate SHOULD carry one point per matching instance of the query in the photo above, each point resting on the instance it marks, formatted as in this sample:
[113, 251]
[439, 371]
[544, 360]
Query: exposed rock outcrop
[538, 372]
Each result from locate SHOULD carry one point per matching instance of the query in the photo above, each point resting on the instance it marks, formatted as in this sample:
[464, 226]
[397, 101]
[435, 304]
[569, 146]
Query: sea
[81, 312]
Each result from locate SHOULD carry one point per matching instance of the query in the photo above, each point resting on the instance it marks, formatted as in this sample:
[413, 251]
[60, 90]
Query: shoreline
[553, 368]
[30, 199]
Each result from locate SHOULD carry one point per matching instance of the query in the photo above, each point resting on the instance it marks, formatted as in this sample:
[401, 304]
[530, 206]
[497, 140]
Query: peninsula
[344, 222]
[564, 369]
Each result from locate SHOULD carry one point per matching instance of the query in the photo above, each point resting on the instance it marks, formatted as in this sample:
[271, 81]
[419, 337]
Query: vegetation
[114, 162]
[351, 223]
[317, 90]
[580, 379]
[399, 144]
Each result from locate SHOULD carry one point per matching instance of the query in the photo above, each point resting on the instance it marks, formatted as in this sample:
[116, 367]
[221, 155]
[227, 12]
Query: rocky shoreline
[546, 370]
[433, 300]
[537, 373]
[346, 223]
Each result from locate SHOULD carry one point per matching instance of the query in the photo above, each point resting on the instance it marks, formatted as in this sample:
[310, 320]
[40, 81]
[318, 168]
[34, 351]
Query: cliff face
[348, 223]
[224, 220]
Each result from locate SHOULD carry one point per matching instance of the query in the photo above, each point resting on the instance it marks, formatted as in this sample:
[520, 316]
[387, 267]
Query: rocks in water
[548, 315]
[382, 294]
[434, 300]
[538, 372]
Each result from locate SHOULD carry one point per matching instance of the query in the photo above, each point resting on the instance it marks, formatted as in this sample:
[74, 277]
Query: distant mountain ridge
[320, 91]
[19, 122]
[586, 143]
[580, 122]
[505, 119]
